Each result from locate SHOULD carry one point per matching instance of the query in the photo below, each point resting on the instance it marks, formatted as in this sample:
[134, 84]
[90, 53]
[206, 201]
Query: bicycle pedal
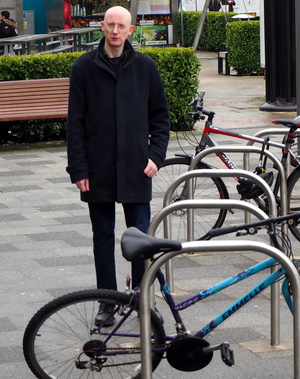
[227, 354]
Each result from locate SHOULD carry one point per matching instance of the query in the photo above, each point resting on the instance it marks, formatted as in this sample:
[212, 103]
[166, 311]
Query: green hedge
[243, 45]
[213, 32]
[179, 69]
[24, 67]
[242, 38]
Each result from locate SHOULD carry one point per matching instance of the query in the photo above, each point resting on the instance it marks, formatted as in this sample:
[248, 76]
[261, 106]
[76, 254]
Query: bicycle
[215, 188]
[61, 340]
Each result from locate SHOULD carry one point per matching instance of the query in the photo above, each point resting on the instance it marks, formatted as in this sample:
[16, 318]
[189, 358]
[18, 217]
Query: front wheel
[204, 188]
[61, 340]
[293, 198]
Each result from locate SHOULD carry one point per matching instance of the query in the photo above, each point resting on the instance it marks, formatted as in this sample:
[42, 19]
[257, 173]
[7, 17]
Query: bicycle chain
[131, 362]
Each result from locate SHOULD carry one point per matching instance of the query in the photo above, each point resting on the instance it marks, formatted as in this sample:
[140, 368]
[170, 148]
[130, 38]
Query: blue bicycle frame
[244, 300]
[271, 279]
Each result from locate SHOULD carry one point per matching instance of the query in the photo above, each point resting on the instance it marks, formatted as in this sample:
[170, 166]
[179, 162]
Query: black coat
[115, 125]
[8, 28]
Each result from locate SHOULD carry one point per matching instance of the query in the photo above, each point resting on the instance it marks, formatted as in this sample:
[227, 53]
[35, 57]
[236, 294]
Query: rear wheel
[61, 340]
[204, 188]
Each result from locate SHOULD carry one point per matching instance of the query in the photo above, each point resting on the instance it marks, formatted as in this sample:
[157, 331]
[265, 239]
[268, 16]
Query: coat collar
[101, 56]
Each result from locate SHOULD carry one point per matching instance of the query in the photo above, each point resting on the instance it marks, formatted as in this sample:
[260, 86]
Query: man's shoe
[103, 317]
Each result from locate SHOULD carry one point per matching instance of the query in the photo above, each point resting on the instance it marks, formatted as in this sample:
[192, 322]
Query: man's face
[116, 28]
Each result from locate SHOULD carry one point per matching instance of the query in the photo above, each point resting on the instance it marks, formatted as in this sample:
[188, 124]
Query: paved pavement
[46, 247]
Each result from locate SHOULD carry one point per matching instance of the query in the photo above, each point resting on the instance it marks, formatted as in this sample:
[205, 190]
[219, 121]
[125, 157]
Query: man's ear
[131, 29]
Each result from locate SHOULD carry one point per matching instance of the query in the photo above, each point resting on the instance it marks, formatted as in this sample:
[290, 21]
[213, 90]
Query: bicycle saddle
[295, 123]
[137, 245]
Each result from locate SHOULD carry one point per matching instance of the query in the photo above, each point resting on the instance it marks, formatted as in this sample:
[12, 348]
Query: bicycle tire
[293, 198]
[205, 188]
[63, 333]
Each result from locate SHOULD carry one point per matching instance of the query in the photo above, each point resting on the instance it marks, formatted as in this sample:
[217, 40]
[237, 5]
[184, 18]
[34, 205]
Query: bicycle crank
[193, 353]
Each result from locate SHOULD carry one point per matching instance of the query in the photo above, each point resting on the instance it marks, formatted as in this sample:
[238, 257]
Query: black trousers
[103, 217]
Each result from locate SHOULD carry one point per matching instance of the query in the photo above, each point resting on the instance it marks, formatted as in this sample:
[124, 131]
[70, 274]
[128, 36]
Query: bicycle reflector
[249, 190]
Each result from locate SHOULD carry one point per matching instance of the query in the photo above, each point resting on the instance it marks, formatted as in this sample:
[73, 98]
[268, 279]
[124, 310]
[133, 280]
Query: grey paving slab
[46, 246]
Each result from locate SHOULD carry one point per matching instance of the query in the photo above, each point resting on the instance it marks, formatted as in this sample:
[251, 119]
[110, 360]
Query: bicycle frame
[244, 300]
[207, 140]
[230, 311]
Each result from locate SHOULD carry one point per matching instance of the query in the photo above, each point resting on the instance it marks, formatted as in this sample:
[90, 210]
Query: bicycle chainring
[185, 354]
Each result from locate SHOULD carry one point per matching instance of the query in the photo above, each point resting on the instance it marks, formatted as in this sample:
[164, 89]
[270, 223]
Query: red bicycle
[215, 188]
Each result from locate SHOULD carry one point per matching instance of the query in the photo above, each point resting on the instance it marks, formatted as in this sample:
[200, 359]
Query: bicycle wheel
[62, 342]
[293, 198]
[204, 188]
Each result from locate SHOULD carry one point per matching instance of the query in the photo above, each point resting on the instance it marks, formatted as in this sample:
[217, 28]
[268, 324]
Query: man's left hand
[151, 169]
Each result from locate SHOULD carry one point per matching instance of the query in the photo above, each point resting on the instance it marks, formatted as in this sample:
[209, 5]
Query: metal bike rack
[246, 150]
[163, 215]
[266, 132]
[275, 293]
[213, 246]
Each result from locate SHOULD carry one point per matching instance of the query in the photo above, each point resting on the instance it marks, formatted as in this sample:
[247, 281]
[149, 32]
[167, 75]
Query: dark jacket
[8, 28]
[115, 125]
[214, 5]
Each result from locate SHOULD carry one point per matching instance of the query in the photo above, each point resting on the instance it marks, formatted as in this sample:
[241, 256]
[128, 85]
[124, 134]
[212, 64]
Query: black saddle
[137, 245]
[295, 123]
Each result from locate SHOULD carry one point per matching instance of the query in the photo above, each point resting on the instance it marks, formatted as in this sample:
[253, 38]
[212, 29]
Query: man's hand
[83, 185]
[151, 169]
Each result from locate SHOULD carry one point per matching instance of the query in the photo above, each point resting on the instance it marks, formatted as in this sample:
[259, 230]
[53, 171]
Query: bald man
[117, 137]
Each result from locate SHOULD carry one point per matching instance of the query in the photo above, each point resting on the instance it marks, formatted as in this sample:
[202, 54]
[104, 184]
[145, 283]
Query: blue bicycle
[61, 340]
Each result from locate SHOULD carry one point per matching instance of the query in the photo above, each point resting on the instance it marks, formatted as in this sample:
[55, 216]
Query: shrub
[213, 32]
[243, 45]
[179, 69]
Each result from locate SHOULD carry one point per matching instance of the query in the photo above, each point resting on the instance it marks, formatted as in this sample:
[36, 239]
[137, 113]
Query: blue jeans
[103, 217]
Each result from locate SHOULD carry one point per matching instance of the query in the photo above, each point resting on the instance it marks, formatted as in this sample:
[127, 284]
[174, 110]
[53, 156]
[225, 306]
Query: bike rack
[213, 246]
[246, 150]
[275, 293]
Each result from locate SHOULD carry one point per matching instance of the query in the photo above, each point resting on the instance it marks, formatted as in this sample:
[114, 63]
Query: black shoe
[103, 317]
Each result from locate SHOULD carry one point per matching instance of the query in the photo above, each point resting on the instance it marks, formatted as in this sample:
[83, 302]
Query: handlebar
[200, 113]
[253, 227]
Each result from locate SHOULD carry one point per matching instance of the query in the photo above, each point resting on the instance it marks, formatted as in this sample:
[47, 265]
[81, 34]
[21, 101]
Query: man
[8, 26]
[117, 136]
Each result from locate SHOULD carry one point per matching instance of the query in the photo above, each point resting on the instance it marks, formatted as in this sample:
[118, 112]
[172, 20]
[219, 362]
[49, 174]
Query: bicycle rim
[204, 188]
[293, 198]
[61, 340]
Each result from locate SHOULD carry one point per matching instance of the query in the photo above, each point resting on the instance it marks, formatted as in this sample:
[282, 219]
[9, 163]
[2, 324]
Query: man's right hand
[83, 185]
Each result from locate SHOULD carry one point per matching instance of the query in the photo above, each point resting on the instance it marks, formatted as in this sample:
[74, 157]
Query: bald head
[118, 11]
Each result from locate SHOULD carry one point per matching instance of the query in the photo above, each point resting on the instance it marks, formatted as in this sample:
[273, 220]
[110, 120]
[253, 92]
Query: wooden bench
[34, 99]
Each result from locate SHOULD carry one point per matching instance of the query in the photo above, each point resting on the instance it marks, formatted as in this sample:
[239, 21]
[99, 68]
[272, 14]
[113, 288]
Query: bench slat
[34, 99]
[34, 116]
[41, 97]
